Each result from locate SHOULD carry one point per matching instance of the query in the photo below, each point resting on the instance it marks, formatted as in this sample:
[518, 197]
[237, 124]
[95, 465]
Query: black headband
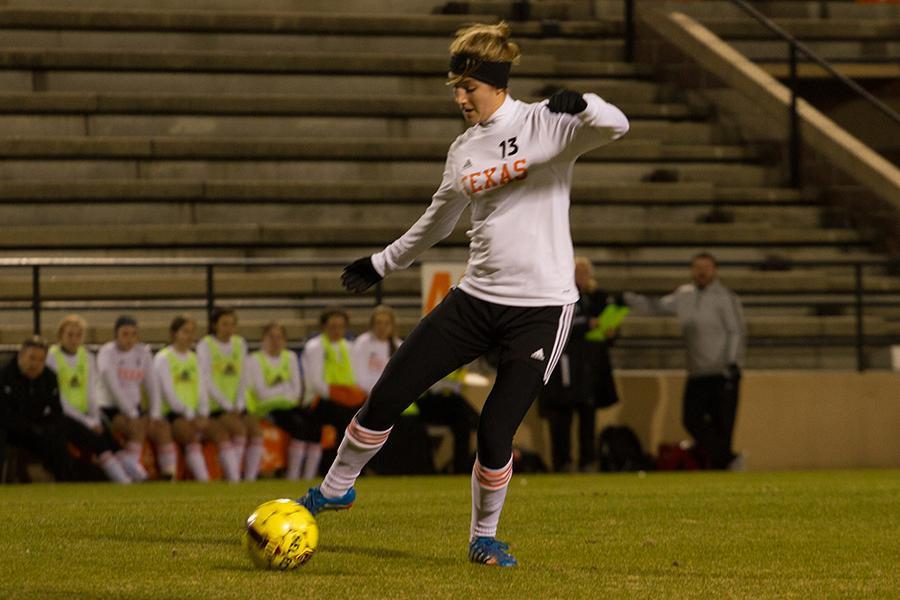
[494, 73]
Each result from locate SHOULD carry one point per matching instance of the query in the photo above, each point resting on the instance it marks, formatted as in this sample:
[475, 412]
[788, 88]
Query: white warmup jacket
[516, 172]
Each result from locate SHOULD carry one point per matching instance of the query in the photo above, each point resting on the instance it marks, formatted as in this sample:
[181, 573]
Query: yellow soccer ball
[281, 534]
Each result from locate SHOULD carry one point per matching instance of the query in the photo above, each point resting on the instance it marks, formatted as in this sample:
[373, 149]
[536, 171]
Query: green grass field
[727, 535]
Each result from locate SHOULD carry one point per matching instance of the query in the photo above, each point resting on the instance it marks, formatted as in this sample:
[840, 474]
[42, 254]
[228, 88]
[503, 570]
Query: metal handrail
[787, 37]
[794, 45]
[37, 304]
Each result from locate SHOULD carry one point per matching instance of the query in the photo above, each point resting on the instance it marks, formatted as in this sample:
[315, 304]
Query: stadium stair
[304, 129]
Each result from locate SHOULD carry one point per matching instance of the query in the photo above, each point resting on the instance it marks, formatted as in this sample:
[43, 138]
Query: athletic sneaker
[491, 551]
[315, 502]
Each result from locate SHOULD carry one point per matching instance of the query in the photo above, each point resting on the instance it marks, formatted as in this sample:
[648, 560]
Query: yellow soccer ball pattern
[281, 534]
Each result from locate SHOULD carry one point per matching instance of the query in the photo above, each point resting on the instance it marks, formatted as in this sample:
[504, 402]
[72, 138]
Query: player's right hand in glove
[566, 101]
[360, 275]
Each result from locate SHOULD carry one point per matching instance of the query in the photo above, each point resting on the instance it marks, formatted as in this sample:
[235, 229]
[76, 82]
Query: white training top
[126, 377]
[204, 361]
[167, 386]
[516, 172]
[312, 361]
[92, 418]
[286, 389]
[369, 357]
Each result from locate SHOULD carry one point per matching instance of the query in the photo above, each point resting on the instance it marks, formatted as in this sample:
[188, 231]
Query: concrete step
[163, 283]
[88, 105]
[299, 234]
[806, 9]
[615, 90]
[298, 105]
[401, 7]
[808, 29]
[334, 215]
[296, 192]
[31, 125]
[864, 70]
[857, 51]
[589, 172]
[678, 252]
[335, 40]
[319, 149]
[290, 62]
[153, 17]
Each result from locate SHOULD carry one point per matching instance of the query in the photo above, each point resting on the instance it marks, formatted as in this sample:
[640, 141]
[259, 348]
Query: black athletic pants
[299, 424]
[453, 411]
[560, 420]
[529, 341]
[710, 408]
[47, 441]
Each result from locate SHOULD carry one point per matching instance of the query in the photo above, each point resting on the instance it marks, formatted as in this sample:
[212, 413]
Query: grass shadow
[367, 551]
[159, 539]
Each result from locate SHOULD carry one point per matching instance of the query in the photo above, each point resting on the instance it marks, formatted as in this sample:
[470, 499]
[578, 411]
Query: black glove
[360, 275]
[566, 101]
[734, 373]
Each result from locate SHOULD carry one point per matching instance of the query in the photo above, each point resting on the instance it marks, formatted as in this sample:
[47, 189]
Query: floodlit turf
[728, 535]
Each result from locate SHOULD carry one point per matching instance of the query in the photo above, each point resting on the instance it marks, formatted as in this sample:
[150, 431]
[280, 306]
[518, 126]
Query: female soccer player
[513, 167]
[76, 372]
[274, 390]
[126, 371]
[373, 349]
[186, 399]
[221, 356]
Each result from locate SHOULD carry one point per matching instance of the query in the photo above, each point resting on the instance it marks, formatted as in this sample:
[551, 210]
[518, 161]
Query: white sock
[131, 464]
[488, 494]
[356, 450]
[166, 458]
[313, 458]
[196, 462]
[296, 453]
[240, 448]
[136, 449]
[113, 468]
[252, 459]
[228, 462]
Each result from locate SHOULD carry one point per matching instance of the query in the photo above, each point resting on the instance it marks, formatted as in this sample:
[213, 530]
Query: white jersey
[515, 170]
[370, 357]
[312, 365]
[127, 377]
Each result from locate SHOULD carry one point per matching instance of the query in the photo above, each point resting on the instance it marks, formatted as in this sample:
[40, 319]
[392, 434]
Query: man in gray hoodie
[712, 323]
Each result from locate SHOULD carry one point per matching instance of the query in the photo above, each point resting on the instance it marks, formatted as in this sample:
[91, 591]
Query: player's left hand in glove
[360, 275]
[566, 101]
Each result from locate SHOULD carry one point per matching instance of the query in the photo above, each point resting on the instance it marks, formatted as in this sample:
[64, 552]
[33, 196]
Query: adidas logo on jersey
[467, 164]
[538, 354]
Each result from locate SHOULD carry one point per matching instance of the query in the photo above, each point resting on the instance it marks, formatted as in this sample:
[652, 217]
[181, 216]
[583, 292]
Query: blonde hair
[383, 309]
[488, 43]
[70, 320]
[592, 283]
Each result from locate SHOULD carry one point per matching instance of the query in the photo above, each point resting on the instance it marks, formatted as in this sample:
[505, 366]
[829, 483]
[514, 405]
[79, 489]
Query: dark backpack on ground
[620, 450]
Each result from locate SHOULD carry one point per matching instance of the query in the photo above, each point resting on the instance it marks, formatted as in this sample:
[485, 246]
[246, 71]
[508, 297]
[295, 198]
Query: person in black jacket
[582, 380]
[31, 415]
